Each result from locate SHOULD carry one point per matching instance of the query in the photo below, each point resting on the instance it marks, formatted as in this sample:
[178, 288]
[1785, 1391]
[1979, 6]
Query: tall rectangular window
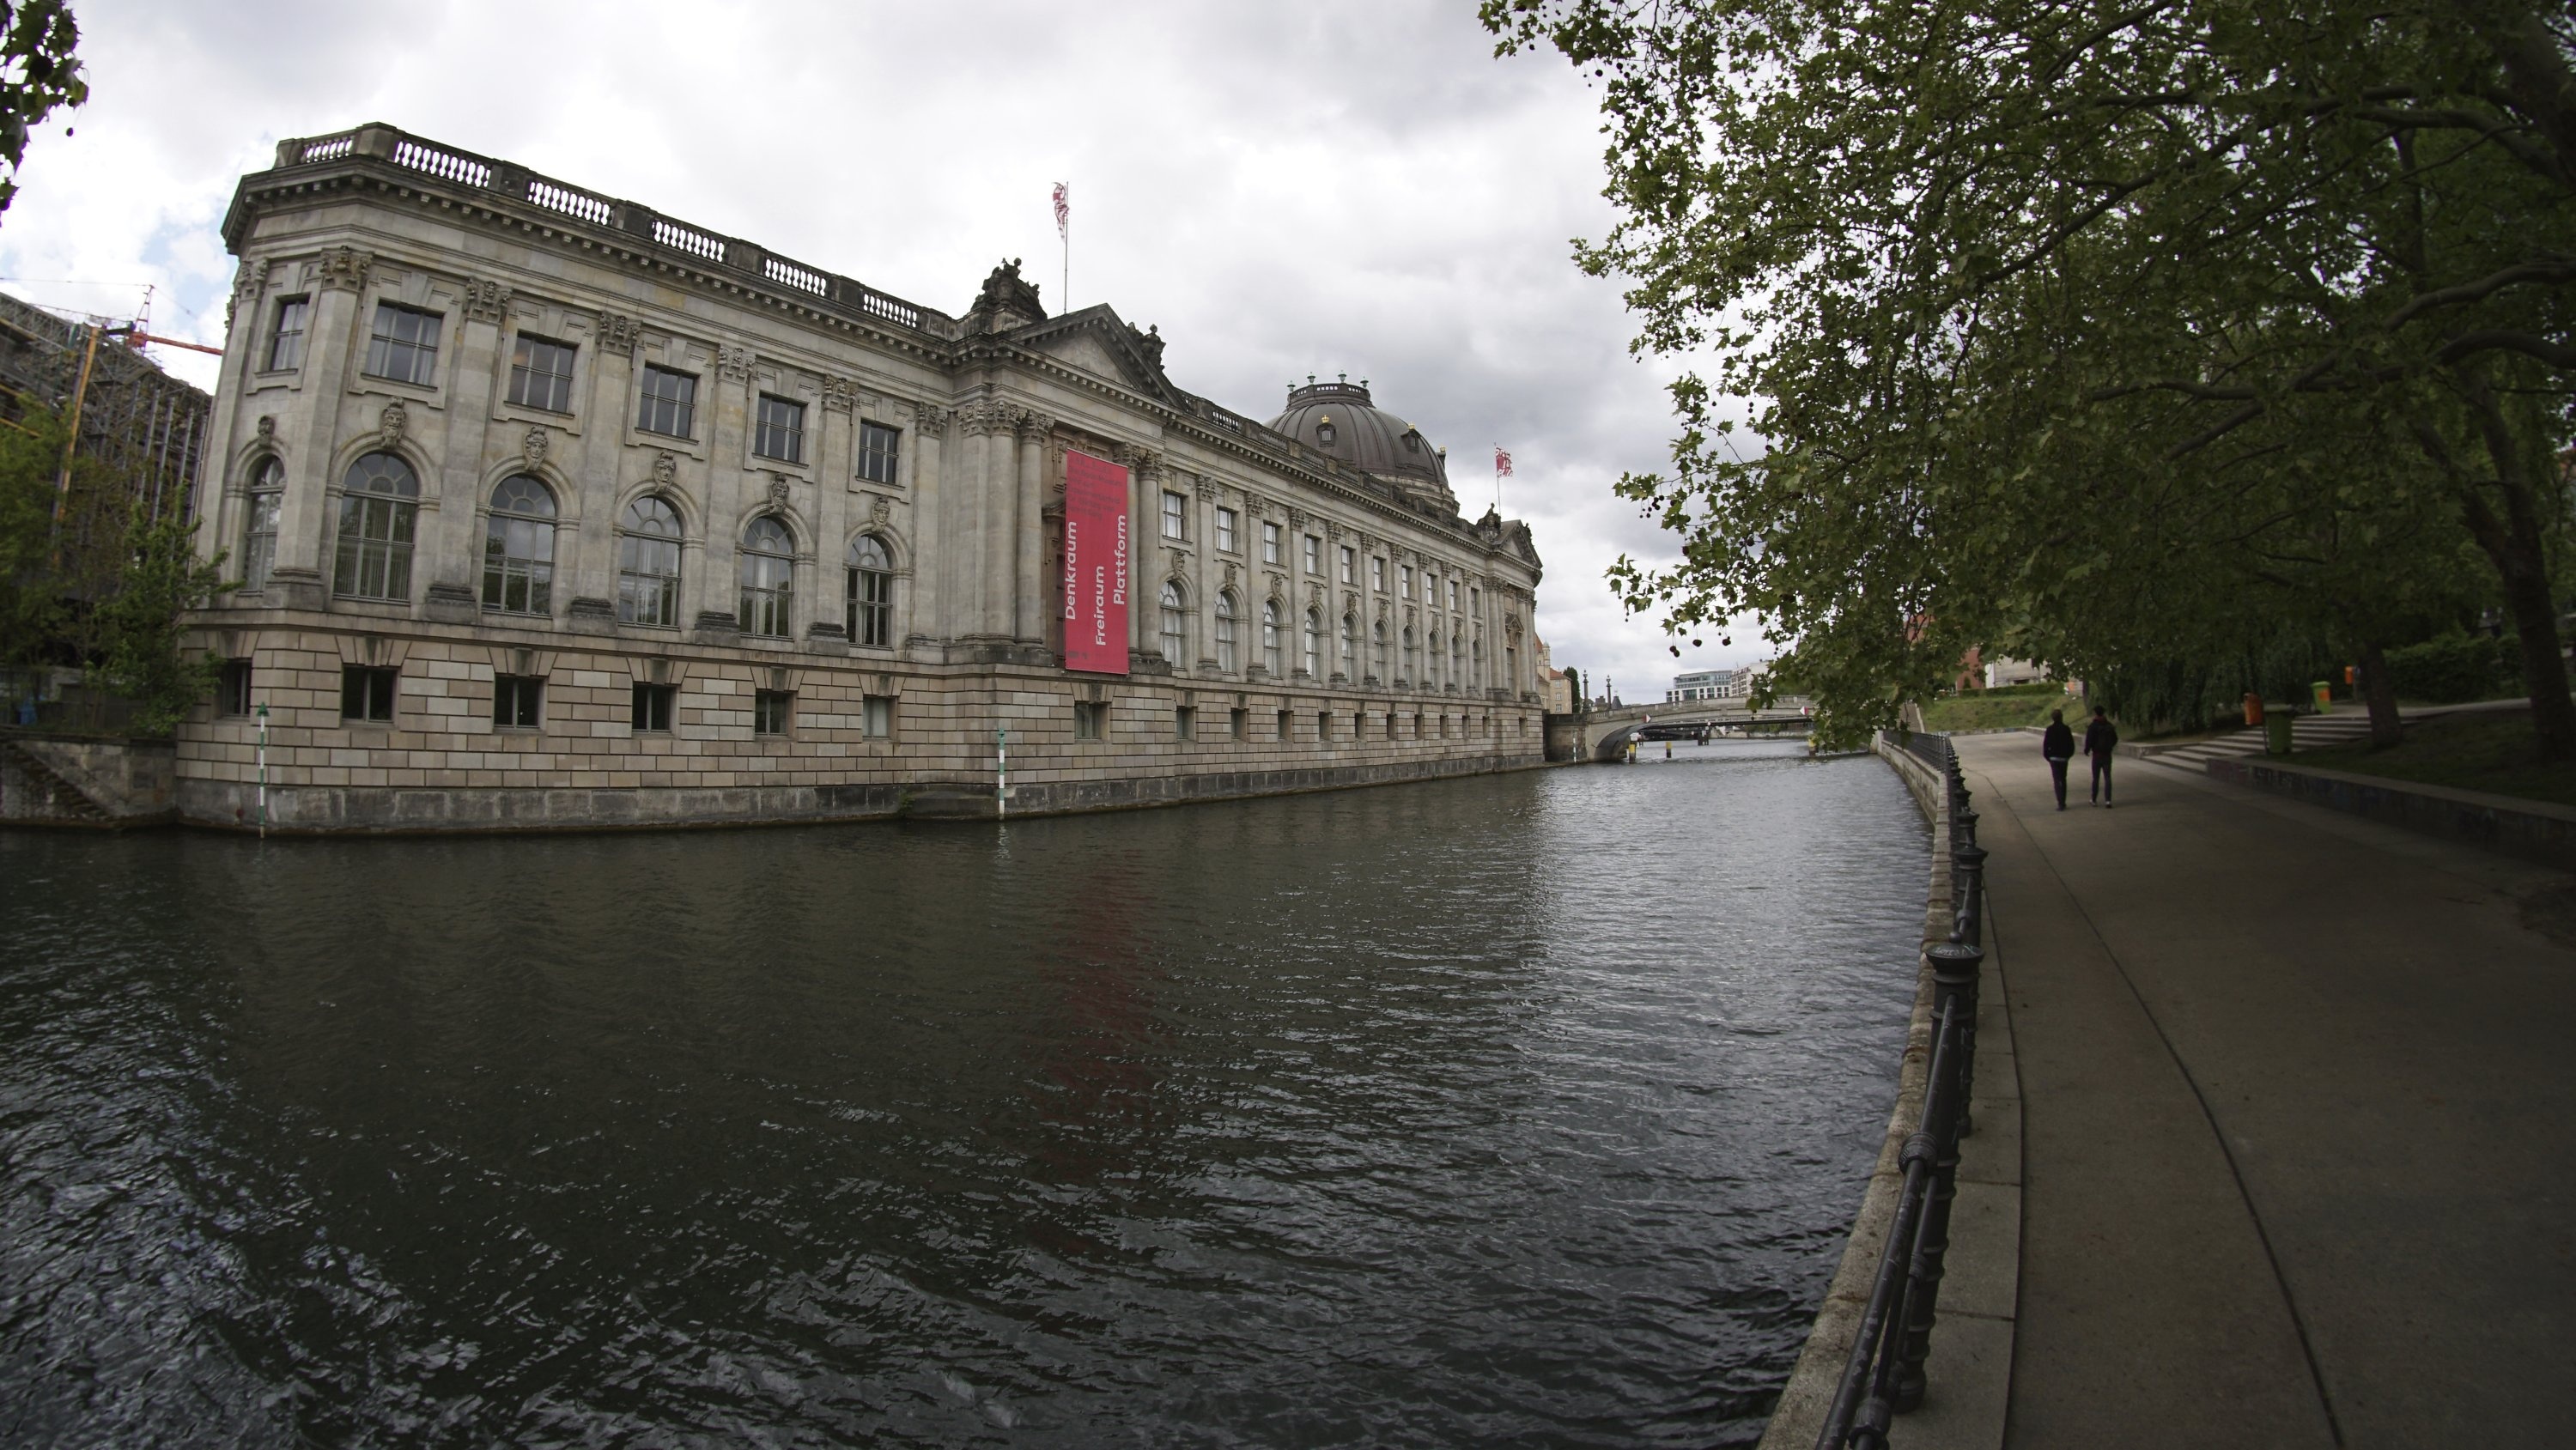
[1350, 565]
[518, 701]
[770, 710]
[1269, 543]
[1405, 577]
[670, 403]
[652, 710]
[1090, 719]
[780, 433]
[1173, 504]
[1287, 726]
[367, 694]
[1323, 727]
[232, 689]
[877, 444]
[1225, 530]
[1239, 725]
[1453, 593]
[1185, 722]
[404, 346]
[876, 717]
[286, 343]
[1314, 555]
[541, 375]
[1377, 573]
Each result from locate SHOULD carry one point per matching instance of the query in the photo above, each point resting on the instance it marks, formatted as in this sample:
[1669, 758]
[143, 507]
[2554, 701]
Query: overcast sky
[1283, 189]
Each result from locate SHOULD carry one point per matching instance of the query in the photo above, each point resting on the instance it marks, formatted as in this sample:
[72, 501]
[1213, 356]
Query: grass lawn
[1979, 711]
[2491, 751]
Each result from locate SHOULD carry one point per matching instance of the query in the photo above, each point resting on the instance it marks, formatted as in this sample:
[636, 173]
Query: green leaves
[37, 74]
[2111, 334]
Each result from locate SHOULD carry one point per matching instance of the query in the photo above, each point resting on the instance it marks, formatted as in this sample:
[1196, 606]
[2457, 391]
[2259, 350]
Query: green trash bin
[2325, 697]
[2276, 731]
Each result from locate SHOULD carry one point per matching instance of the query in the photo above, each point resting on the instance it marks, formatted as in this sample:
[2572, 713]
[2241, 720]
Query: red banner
[1095, 565]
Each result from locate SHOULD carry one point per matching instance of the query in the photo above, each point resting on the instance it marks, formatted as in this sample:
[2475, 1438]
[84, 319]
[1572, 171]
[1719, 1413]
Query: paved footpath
[2299, 1137]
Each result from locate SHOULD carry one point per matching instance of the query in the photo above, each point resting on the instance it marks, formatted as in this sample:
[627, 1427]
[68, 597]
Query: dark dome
[1338, 419]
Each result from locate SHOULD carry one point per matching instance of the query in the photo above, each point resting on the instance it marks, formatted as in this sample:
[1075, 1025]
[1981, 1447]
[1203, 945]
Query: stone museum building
[549, 510]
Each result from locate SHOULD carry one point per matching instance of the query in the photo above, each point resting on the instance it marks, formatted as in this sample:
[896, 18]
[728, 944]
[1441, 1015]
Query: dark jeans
[2057, 768]
[2102, 775]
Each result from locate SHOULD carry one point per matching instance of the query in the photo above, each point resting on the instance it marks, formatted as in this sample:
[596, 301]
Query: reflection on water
[1525, 1109]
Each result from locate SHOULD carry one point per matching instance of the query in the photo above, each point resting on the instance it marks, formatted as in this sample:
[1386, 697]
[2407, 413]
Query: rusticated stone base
[312, 810]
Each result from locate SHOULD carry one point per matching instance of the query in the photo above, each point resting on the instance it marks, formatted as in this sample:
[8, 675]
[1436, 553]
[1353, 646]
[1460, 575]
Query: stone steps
[30, 790]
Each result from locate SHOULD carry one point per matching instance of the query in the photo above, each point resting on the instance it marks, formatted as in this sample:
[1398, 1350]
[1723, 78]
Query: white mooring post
[263, 770]
[1001, 771]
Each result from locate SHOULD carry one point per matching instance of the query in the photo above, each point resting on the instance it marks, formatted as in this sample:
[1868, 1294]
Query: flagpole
[1064, 235]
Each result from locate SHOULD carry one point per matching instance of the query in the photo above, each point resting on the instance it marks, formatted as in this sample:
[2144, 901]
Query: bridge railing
[1885, 1375]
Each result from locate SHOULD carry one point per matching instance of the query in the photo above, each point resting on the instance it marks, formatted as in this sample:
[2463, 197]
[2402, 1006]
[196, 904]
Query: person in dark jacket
[2099, 737]
[2058, 744]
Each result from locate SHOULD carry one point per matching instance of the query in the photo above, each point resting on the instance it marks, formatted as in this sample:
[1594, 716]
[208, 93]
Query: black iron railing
[1885, 1376]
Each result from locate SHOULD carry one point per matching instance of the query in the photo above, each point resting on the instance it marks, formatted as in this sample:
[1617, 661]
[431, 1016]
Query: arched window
[1412, 656]
[1175, 627]
[869, 615]
[648, 564]
[768, 578]
[1377, 649]
[1351, 643]
[376, 517]
[519, 548]
[1270, 635]
[1225, 661]
[1314, 645]
[259, 522]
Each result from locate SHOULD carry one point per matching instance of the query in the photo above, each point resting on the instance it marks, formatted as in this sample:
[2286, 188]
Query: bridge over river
[1605, 733]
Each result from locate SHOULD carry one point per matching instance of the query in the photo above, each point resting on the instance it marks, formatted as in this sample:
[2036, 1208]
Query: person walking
[2058, 744]
[2099, 737]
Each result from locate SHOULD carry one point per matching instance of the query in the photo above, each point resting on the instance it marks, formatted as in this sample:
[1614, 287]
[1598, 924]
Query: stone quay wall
[442, 764]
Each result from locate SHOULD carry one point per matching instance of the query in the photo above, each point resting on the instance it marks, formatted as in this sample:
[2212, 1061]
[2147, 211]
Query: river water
[1518, 1110]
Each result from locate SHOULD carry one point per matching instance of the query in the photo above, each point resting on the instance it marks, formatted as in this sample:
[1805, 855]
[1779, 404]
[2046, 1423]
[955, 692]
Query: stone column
[718, 589]
[334, 344]
[1028, 566]
[216, 499]
[990, 477]
[448, 563]
[589, 576]
[921, 605]
[1205, 579]
[1144, 543]
[836, 471]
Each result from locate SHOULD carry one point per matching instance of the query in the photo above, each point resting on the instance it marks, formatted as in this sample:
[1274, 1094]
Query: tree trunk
[2544, 671]
[2381, 693]
[2520, 553]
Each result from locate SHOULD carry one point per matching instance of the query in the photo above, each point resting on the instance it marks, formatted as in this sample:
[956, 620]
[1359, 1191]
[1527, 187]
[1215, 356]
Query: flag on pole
[1502, 462]
[1063, 211]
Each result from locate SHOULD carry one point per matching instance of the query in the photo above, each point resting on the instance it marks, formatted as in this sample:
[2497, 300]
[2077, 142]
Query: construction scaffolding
[136, 423]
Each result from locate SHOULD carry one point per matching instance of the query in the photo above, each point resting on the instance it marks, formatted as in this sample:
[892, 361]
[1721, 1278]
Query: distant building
[1741, 683]
[1698, 685]
[551, 510]
[2003, 670]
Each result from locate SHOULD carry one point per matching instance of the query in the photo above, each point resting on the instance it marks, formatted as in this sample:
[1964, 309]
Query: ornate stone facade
[592, 518]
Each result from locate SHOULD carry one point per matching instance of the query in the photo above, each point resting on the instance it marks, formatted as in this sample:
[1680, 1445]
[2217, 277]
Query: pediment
[1095, 341]
[1084, 351]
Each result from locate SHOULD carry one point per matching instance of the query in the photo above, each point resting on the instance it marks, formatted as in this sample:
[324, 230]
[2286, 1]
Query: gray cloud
[1283, 190]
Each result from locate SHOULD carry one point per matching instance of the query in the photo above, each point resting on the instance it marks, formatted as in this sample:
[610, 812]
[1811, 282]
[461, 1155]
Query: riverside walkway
[2297, 1115]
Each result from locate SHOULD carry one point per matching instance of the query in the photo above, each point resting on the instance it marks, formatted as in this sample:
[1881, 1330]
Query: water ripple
[1515, 1111]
